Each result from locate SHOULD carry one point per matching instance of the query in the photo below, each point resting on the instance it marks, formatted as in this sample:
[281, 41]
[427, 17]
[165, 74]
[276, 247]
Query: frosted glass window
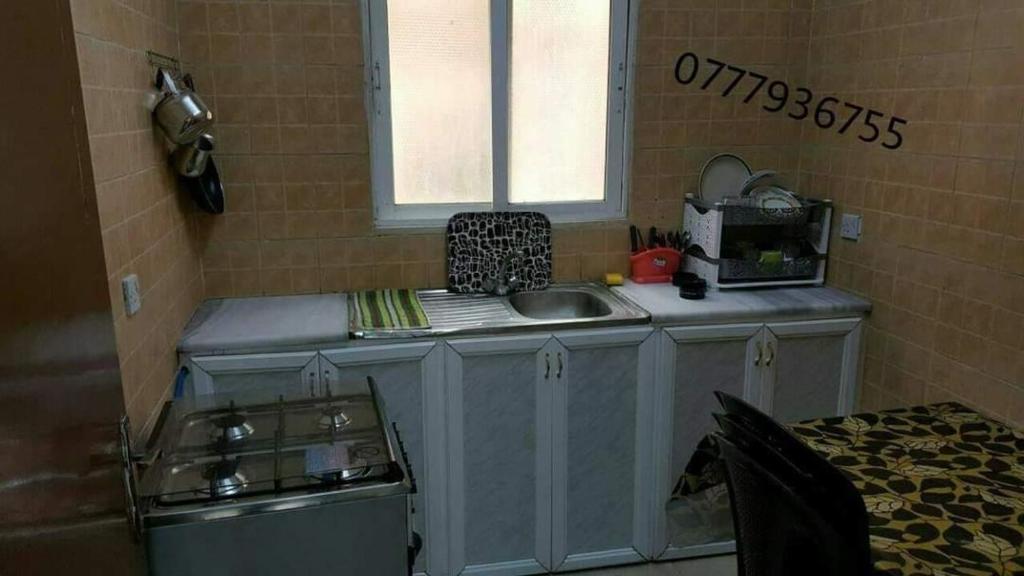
[497, 104]
[558, 100]
[440, 100]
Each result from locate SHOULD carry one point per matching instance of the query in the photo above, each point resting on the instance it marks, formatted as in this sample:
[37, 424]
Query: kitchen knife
[633, 233]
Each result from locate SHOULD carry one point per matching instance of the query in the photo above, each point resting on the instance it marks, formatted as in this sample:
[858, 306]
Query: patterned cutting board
[477, 242]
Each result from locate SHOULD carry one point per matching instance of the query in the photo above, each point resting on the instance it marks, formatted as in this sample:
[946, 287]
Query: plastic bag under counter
[271, 323]
[663, 303]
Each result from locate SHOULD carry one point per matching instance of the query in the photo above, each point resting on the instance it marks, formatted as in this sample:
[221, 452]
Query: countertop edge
[299, 345]
[765, 304]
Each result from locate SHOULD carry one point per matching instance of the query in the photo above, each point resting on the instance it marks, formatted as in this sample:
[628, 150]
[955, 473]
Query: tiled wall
[148, 225]
[286, 82]
[942, 255]
[677, 128]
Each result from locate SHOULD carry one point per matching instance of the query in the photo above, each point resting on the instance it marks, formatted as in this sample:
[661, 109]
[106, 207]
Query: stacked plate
[727, 178]
[723, 175]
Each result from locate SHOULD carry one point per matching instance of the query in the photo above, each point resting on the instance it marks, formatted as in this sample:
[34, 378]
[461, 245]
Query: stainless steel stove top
[223, 451]
[302, 421]
[234, 485]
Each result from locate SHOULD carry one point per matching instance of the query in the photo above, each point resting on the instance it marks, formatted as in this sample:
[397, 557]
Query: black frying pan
[206, 189]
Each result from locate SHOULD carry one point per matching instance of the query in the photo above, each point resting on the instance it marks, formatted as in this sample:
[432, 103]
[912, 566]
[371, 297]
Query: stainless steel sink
[559, 304]
[563, 306]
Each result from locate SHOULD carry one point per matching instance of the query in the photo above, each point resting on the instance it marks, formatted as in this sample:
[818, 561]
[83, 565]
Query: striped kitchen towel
[393, 308]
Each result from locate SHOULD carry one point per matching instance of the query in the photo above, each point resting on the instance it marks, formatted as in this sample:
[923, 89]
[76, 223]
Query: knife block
[654, 265]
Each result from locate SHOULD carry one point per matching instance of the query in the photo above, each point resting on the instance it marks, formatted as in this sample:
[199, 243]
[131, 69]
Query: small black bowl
[691, 286]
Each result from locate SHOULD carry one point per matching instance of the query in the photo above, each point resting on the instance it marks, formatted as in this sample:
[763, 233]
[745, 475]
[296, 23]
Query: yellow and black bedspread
[943, 486]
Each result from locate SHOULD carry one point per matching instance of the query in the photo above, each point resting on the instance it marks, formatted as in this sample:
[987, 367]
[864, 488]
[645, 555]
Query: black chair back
[841, 492]
[777, 532]
[819, 484]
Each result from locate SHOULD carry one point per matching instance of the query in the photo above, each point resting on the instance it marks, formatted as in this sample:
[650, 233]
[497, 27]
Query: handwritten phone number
[688, 68]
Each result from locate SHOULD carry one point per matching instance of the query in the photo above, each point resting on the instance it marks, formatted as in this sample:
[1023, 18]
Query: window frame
[388, 214]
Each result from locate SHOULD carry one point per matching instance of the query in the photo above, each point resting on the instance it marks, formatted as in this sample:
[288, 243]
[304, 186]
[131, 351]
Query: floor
[714, 566]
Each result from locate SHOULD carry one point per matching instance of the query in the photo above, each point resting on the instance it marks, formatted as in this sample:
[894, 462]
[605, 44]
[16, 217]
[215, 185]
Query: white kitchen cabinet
[552, 452]
[602, 385]
[257, 377]
[694, 362]
[499, 451]
[791, 370]
[549, 447]
[410, 381]
[810, 368]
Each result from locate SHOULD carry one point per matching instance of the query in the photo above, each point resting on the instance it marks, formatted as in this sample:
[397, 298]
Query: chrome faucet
[506, 281]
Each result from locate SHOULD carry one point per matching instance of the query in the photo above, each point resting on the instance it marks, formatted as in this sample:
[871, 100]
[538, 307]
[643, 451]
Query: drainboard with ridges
[448, 311]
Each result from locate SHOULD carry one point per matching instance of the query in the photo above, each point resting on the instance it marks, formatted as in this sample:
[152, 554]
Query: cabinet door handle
[757, 358]
[547, 365]
[559, 373]
[771, 355]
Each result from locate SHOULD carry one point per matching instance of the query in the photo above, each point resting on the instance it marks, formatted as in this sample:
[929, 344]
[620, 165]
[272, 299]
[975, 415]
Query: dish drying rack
[717, 228]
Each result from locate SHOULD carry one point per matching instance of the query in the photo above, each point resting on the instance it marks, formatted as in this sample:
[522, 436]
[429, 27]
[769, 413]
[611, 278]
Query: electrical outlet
[130, 290]
[850, 227]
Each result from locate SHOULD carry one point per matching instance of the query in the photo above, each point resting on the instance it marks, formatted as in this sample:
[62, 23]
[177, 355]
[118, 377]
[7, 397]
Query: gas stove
[253, 463]
[238, 451]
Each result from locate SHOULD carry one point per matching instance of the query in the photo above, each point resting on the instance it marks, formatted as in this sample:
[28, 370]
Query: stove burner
[231, 427]
[358, 468]
[361, 470]
[333, 418]
[222, 478]
[366, 452]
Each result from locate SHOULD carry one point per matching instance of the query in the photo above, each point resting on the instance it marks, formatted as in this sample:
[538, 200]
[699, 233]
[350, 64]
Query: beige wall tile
[942, 255]
[945, 205]
[149, 224]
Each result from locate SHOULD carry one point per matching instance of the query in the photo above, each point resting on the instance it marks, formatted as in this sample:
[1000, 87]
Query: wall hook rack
[158, 60]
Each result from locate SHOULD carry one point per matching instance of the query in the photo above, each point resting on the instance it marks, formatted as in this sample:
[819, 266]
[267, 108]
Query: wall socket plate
[850, 227]
[130, 291]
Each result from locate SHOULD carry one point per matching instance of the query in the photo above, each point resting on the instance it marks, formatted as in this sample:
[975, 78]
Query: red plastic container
[654, 265]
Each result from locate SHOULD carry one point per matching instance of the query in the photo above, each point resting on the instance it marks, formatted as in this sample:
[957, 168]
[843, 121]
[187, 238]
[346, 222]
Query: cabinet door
[499, 438]
[257, 377]
[410, 381]
[694, 362]
[599, 511]
[811, 368]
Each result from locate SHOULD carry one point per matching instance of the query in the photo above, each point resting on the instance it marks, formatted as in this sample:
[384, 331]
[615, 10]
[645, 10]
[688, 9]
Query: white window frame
[388, 214]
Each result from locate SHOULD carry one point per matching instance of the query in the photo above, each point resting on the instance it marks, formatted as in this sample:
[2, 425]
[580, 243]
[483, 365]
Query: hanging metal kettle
[180, 113]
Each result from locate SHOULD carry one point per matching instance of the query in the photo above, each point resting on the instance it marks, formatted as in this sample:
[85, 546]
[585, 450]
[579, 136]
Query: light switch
[130, 290]
[850, 227]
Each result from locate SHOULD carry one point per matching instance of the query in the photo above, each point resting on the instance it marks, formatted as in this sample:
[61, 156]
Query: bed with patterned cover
[943, 486]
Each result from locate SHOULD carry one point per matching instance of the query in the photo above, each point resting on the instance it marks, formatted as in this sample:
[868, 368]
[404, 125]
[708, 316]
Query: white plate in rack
[774, 198]
[723, 175]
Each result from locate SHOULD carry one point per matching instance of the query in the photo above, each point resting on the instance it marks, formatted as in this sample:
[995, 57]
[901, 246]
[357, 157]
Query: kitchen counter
[272, 323]
[662, 301]
[280, 323]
